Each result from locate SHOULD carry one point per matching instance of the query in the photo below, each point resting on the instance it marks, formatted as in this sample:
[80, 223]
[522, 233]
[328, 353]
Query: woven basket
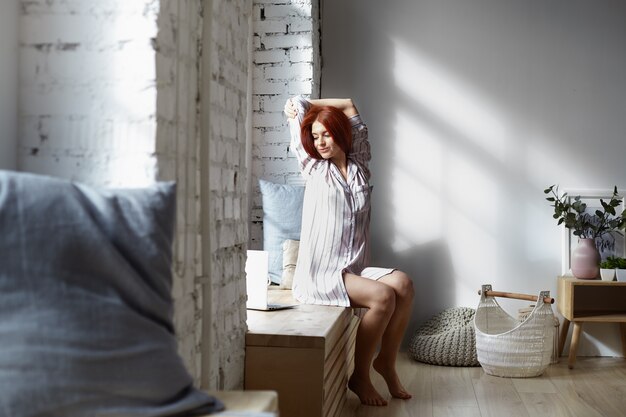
[508, 348]
[446, 339]
[523, 315]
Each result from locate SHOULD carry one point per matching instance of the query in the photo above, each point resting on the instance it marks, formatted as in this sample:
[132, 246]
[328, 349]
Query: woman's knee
[404, 286]
[384, 300]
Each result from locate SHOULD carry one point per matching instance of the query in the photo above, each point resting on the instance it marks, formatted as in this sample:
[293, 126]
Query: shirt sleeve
[306, 162]
[360, 152]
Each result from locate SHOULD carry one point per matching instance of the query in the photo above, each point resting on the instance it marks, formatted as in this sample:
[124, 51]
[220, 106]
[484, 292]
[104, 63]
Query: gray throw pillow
[86, 312]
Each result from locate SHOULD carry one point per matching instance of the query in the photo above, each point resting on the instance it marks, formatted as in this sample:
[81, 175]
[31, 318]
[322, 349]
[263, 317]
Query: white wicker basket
[523, 315]
[508, 348]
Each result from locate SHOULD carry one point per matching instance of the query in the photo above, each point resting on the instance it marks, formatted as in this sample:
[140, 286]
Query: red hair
[335, 122]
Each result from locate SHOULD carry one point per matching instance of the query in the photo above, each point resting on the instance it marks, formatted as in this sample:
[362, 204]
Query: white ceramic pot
[607, 274]
[621, 275]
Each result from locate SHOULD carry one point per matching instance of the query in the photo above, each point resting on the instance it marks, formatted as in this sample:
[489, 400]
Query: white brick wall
[95, 107]
[111, 94]
[89, 112]
[87, 99]
[8, 84]
[177, 143]
[224, 115]
[286, 60]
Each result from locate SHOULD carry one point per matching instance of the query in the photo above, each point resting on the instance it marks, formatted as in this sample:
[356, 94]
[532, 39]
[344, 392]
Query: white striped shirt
[335, 218]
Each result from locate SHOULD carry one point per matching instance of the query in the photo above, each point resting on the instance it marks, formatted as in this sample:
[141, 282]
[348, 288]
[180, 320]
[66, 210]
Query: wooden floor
[596, 387]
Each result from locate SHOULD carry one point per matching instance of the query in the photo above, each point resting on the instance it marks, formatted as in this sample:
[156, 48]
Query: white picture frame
[611, 244]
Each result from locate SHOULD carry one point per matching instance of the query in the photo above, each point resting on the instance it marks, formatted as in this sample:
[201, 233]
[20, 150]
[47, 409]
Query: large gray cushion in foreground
[86, 311]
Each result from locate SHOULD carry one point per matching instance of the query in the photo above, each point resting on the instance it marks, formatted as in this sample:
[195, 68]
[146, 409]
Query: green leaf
[550, 199]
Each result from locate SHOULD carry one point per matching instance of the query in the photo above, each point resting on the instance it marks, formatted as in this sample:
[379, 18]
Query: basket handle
[491, 293]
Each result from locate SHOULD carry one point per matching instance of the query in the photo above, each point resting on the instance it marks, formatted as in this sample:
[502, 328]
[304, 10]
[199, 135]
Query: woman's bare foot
[391, 378]
[365, 391]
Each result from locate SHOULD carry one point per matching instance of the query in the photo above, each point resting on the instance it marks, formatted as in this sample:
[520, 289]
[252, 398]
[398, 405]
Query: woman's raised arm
[344, 104]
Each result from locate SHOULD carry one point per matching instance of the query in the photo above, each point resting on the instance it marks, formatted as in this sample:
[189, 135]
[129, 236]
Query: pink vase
[586, 259]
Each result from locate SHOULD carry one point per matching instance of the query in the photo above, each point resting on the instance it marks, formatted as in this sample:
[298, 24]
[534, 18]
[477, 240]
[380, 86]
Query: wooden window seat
[304, 353]
[249, 403]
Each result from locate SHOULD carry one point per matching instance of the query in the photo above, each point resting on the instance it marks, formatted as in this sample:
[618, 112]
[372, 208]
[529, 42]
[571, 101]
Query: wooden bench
[304, 353]
[248, 403]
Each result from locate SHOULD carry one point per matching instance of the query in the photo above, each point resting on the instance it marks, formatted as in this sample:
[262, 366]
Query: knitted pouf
[447, 339]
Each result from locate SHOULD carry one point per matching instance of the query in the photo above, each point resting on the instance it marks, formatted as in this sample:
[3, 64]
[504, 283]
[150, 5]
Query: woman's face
[324, 142]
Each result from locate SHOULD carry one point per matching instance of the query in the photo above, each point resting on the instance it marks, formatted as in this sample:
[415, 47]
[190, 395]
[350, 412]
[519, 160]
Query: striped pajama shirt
[335, 219]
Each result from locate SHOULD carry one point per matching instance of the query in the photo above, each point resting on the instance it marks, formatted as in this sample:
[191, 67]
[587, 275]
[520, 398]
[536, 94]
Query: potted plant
[607, 269]
[587, 226]
[620, 268]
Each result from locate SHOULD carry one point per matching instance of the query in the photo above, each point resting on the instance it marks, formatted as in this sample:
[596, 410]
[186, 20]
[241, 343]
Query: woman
[331, 144]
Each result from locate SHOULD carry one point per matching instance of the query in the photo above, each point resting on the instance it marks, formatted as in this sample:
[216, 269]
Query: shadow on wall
[430, 268]
[446, 167]
[405, 227]
[405, 233]
[473, 108]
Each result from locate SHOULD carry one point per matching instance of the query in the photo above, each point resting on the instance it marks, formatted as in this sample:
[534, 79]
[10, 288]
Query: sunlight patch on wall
[471, 217]
[449, 99]
[475, 250]
[132, 101]
[417, 214]
[473, 190]
[416, 180]
[420, 146]
[441, 191]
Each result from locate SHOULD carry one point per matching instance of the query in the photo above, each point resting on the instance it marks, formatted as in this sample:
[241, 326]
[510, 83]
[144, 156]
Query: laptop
[257, 280]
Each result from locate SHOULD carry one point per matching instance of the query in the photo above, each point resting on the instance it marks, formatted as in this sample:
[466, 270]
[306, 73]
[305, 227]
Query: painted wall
[8, 83]
[473, 108]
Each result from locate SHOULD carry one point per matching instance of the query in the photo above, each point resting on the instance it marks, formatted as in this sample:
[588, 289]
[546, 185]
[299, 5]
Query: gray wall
[8, 83]
[473, 108]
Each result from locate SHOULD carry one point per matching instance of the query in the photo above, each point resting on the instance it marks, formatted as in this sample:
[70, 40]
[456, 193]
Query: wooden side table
[582, 300]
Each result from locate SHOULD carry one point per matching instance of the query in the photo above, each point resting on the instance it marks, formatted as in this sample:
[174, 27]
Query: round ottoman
[447, 339]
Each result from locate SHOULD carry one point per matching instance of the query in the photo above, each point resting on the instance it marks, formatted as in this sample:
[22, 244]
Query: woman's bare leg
[380, 300]
[385, 362]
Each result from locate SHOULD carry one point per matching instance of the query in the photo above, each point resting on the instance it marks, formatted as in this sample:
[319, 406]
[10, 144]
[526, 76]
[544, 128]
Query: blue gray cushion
[282, 220]
[86, 313]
